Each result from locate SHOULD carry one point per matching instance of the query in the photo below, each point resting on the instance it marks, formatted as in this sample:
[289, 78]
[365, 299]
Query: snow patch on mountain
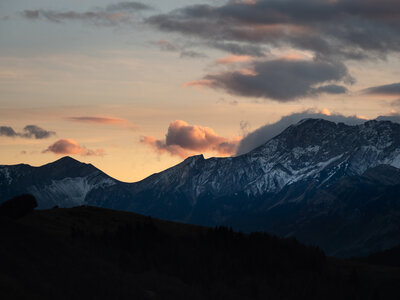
[6, 174]
[69, 192]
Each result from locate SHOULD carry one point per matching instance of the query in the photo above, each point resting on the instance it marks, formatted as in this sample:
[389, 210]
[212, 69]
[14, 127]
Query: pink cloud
[198, 83]
[161, 147]
[103, 121]
[70, 146]
[184, 140]
[231, 59]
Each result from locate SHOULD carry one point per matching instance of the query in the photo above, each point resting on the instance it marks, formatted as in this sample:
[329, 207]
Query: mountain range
[332, 185]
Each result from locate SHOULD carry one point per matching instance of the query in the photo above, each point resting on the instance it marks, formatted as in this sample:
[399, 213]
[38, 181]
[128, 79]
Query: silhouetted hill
[389, 257]
[18, 207]
[95, 253]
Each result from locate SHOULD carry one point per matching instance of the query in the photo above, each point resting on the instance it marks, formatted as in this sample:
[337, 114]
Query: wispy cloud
[111, 121]
[169, 46]
[110, 15]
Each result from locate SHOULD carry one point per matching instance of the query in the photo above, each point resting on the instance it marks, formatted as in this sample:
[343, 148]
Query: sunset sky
[135, 87]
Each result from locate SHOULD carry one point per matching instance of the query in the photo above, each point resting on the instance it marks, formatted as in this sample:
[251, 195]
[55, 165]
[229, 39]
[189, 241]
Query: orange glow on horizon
[326, 112]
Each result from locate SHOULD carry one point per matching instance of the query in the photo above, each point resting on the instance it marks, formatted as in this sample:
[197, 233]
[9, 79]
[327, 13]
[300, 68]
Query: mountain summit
[65, 182]
[329, 184]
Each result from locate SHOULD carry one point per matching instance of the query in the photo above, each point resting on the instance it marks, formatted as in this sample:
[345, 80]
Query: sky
[136, 87]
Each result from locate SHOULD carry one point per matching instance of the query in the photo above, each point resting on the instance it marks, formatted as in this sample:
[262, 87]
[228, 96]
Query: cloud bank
[330, 32]
[70, 147]
[185, 140]
[350, 29]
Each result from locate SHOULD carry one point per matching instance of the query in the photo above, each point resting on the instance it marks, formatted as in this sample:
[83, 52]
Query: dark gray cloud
[268, 131]
[29, 132]
[281, 80]
[31, 14]
[33, 131]
[7, 131]
[97, 18]
[352, 29]
[126, 6]
[109, 16]
[388, 89]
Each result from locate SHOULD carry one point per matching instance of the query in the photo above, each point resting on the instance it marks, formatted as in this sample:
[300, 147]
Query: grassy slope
[95, 253]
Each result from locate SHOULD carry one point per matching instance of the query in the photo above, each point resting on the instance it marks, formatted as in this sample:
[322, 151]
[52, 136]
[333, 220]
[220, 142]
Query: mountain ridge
[282, 186]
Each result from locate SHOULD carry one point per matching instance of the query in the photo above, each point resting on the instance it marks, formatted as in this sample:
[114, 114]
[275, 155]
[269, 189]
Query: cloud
[124, 6]
[29, 132]
[103, 121]
[7, 131]
[331, 89]
[350, 29]
[111, 15]
[31, 14]
[386, 90]
[33, 131]
[168, 46]
[231, 59]
[161, 147]
[192, 54]
[239, 48]
[69, 147]
[165, 45]
[263, 134]
[281, 80]
[184, 140]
